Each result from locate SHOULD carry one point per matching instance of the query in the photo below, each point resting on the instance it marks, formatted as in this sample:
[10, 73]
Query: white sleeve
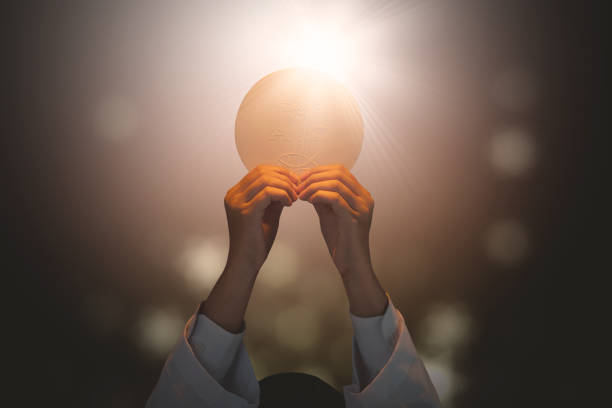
[209, 367]
[387, 371]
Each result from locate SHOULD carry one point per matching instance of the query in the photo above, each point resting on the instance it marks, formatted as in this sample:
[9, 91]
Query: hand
[345, 210]
[253, 208]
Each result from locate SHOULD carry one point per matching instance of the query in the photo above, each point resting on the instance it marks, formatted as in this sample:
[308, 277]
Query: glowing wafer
[298, 118]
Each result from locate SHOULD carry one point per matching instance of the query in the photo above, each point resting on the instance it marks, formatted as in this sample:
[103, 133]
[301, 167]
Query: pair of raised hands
[344, 206]
[253, 208]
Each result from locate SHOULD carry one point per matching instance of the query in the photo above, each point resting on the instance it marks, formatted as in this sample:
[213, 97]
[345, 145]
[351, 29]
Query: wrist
[240, 268]
[227, 301]
[366, 296]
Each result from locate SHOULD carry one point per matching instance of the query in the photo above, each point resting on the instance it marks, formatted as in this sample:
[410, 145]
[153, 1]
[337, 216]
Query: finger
[335, 200]
[283, 170]
[264, 169]
[274, 180]
[353, 200]
[247, 192]
[322, 209]
[331, 167]
[335, 174]
[266, 196]
[293, 176]
[302, 174]
[326, 167]
[266, 174]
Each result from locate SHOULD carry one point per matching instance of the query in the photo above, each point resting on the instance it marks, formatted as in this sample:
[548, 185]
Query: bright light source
[323, 49]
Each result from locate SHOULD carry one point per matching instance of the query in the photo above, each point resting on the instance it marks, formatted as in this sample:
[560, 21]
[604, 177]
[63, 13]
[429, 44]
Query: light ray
[391, 152]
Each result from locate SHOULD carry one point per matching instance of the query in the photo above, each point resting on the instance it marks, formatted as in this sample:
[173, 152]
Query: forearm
[365, 294]
[227, 302]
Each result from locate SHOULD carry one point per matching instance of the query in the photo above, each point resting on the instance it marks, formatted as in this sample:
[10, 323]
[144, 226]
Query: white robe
[210, 367]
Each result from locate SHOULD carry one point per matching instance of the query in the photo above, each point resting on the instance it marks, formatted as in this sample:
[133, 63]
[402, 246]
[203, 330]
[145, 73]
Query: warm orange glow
[325, 49]
[298, 118]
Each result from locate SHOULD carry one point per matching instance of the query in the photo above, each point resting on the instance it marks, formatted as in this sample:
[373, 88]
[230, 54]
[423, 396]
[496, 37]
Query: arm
[345, 211]
[253, 208]
[386, 368]
[210, 367]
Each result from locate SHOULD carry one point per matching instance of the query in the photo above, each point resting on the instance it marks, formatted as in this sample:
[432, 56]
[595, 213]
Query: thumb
[272, 212]
[322, 209]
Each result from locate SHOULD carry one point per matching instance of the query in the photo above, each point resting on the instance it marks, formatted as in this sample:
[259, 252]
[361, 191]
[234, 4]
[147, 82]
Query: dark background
[78, 210]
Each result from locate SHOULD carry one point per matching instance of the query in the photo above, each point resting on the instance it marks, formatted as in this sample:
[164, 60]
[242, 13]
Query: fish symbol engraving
[298, 161]
[306, 141]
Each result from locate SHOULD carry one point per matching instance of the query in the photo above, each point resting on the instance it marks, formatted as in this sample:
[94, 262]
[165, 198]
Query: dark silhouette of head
[298, 390]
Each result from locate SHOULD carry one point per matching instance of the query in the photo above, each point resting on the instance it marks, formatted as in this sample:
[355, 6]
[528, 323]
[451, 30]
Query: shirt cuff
[397, 379]
[374, 340]
[215, 347]
[185, 382]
